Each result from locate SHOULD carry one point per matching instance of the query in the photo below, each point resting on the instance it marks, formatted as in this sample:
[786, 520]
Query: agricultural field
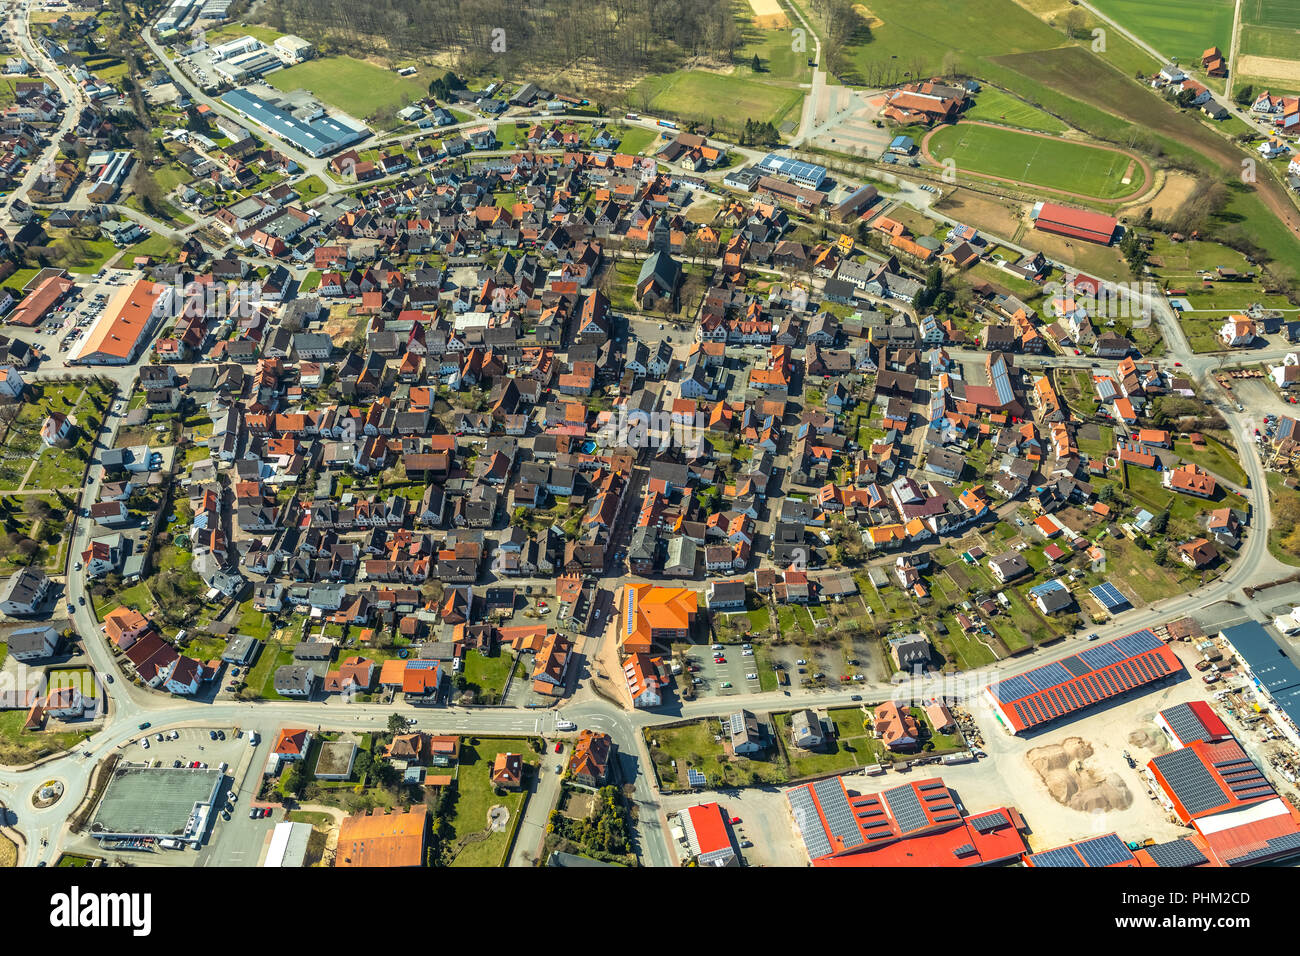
[356, 87]
[994, 106]
[1177, 28]
[1056, 164]
[729, 99]
[1270, 28]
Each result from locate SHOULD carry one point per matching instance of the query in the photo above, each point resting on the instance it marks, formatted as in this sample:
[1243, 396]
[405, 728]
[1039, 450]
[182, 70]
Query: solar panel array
[1000, 378]
[696, 778]
[1104, 850]
[1062, 856]
[1182, 720]
[989, 821]
[1193, 785]
[1177, 853]
[1081, 680]
[839, 815]
[1047, 587]
[809, 823]
[905, 808]
[1109, 596]
[1287, 844]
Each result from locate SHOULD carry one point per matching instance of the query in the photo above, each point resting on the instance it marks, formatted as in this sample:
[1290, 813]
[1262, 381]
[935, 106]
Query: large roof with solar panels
[1082, 680]
[1102, 851]
[914, 824]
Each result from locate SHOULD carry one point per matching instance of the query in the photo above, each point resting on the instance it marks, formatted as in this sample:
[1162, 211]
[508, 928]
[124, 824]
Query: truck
[667, 124]
[561, 724]
[964, 757]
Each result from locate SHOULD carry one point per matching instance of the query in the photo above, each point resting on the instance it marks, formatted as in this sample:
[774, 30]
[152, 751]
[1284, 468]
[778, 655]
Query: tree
[396, 723]
[1246, 95]
[757, 65]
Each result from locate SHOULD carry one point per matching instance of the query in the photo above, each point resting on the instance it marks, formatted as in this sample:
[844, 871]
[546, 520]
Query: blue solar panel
[1105, 850]
[1013, 688]
[1109, 596]
[1062, 856]
[1049, 675]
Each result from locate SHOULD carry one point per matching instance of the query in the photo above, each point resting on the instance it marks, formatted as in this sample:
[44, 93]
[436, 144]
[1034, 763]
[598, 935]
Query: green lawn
[1217, 458]
[1037, 161]
[488, 675]
[634, 139]
[19, 746]
[1279, 532]
[994, 106]
[475, 796]
[357, 88]
[699, 96]
[261, 679]
[851, 746]
[309, 187]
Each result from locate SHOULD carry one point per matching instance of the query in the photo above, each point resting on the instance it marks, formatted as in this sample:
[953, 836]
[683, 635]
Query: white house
[1237, 331]
[1273, 148]
[1286, 375]
[11, 383]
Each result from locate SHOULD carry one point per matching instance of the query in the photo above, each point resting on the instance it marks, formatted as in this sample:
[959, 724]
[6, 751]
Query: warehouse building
[1214, 787]
[125, 326]
[914, 824]
[1075, 223]
[316, 136]
[1027, 701]
[1274, 674]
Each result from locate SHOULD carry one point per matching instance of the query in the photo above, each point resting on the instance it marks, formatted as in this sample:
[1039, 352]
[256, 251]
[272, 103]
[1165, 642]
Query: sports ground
[1062, 165]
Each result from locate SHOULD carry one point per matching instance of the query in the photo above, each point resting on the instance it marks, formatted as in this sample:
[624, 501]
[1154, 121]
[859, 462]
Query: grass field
[1271, 13]
[474, 797]
[994, 106]
[1035, 160]
[358, 88]
[1269, 41]
[729, 99]
[1181, 28]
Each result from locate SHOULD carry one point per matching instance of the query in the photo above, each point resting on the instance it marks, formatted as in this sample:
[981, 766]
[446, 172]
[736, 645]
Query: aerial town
[802, 446]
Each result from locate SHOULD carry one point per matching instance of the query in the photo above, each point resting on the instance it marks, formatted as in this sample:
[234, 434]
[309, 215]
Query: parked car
[559, 746]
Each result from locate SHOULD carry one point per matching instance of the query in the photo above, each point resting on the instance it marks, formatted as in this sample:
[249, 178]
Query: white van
[565, 725]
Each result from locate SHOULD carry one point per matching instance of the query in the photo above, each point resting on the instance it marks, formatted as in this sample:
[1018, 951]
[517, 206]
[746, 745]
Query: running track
[1148, 181]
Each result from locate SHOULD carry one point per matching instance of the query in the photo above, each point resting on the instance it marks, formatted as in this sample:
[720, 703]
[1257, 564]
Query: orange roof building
[649, 613]
[123, 625]
[383, 839]
[125, 325]
[508, 771]
[589, 763]
[291, 743]
[896, 727]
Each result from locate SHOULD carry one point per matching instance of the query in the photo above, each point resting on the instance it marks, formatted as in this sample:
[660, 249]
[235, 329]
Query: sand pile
[1063, 769]
[1149, 740]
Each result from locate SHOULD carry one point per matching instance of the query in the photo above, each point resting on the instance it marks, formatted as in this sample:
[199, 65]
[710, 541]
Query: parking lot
[715, 677]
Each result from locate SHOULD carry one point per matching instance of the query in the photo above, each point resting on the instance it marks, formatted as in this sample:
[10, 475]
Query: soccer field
[1037, 160]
